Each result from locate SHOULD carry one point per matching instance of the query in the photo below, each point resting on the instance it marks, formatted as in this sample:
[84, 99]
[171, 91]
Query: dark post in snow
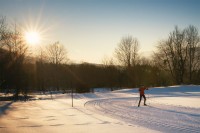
[72, 98]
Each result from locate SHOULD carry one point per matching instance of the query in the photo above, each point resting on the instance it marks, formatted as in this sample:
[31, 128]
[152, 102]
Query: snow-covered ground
[173, 109]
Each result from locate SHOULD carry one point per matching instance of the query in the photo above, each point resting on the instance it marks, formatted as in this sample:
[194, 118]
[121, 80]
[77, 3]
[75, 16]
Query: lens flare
[32, 37]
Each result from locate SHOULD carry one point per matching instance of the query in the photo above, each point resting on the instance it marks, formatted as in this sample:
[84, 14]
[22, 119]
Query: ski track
[164, 118]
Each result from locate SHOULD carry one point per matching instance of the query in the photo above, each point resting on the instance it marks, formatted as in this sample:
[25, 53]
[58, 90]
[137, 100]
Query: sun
[32, 37]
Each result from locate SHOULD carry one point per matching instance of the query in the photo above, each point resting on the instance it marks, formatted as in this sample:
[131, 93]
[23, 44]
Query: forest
[175, 60]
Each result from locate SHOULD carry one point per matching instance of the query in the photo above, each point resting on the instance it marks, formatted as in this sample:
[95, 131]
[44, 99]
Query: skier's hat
[141, 85]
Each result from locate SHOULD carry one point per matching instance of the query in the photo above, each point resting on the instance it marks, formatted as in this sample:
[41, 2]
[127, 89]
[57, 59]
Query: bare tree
[110, 72]
[56, 53]
[173, 53]
[106, 61]
[3, 27]
[193, 40]
[179, 53]
[127, 51]
[12, 41]
[127, 55]
[41, 70]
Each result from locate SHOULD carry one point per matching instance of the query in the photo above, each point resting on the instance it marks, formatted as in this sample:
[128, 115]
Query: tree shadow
[13, 98]
[4, 108]
[71, 115]
[57, 125]
[175, 111]
[20, 118]
[32, 126]
[87, 123]
[51, 119]
[50, 116]
[105, 122]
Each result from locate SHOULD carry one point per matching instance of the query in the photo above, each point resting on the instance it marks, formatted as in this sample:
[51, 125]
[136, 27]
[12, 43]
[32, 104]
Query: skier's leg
[139, 101]
[144, 99]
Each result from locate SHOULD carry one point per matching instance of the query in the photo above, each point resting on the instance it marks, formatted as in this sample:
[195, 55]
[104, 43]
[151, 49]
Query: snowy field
[174, 109]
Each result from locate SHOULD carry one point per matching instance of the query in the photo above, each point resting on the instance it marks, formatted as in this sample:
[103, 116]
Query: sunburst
[32, 37]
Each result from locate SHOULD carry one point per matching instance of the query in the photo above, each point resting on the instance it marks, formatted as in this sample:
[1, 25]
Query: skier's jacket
[141, 90]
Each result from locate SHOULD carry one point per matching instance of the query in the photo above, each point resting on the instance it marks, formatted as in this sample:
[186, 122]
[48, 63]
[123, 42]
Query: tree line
[175, 61]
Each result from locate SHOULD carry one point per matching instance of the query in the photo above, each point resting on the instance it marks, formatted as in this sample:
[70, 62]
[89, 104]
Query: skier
[141, 90]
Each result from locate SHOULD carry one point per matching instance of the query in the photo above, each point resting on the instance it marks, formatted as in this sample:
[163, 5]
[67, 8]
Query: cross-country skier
[142, 94]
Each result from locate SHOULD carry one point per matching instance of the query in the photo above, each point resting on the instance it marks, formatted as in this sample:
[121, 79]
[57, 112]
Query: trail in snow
[161, 117]
[172, 109]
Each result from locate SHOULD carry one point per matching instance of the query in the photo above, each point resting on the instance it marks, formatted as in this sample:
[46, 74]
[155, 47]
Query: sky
[90, 30]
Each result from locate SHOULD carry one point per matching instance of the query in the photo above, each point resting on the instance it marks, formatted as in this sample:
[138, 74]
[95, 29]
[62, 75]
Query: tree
[110, 72]
[193, 40]
[178, 54]
[127, 55]
[56, 55]
[2, 51]
[127, 51]
[13, 43]
[3, 29]
[41, 70]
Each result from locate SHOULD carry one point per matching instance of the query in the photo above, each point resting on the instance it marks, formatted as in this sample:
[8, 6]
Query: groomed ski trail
[164, 118]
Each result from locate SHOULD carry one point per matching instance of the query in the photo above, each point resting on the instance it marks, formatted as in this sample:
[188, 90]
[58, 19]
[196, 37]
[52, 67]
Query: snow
[170, 109]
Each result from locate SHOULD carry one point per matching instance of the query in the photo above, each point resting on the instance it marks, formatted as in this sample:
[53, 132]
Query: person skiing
[142, 94]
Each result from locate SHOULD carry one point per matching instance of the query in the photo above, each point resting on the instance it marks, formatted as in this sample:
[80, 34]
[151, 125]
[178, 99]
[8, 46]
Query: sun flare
[32, 37]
